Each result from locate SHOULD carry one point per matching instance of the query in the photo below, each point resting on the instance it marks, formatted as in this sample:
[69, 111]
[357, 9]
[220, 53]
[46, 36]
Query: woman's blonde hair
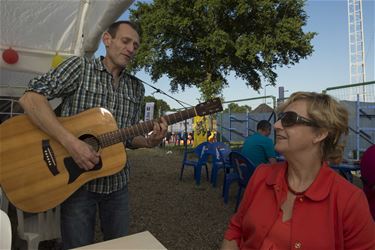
[330, 115]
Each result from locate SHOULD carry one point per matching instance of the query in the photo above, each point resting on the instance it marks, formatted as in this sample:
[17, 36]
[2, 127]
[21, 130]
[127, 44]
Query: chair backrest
[242, 165]
[6, 231]
[200, 151]
[220, 150]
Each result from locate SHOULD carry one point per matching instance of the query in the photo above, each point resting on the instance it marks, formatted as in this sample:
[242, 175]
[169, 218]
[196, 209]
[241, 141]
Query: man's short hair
[264, 125]
[112, 29]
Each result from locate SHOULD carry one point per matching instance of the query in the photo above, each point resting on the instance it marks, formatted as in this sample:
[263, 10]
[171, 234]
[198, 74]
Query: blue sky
[327, 67]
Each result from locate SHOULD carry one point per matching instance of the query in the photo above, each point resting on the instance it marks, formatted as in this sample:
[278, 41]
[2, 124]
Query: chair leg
[33, 244]
[206, 172]
[238, 198]
[182, 171]
[197, 175]
[224, 181]
[226, 190]
[214, 175]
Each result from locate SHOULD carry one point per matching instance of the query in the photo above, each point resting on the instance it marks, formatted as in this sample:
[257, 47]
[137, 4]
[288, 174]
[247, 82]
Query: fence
[365, 91]
[359, 99]
[234, 127]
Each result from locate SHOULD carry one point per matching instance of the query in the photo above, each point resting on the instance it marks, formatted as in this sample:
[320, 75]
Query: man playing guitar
[82, 84]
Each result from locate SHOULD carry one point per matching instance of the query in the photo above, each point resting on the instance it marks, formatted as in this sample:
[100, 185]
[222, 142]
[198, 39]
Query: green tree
[235, 108]
[199, 42]
[160, 106]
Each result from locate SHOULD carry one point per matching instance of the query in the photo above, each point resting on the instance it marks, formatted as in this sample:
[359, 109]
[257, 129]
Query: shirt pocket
[94, 95]
[131, 105]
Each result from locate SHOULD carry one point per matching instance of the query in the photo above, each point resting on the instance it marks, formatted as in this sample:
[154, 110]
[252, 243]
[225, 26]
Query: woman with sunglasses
[302, 202]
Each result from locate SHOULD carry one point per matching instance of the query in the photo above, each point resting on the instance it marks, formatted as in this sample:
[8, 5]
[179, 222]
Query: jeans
[78, 216]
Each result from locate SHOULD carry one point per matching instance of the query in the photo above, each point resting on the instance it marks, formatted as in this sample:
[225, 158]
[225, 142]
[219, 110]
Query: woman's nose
[277, 125]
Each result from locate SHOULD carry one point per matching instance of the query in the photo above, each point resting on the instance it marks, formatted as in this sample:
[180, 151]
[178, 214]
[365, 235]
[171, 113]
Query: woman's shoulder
[270, 171]
[342, 186]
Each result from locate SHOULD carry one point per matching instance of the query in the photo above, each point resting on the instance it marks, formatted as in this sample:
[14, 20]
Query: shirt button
[277, 188]
[297, 245]
[301, 199]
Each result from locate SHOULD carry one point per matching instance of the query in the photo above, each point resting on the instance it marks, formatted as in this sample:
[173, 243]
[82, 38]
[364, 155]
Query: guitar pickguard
[75, 171]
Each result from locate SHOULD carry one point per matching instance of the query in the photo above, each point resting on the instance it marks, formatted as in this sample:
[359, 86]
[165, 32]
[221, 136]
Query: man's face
[268, 132]
[122, 48]
[265, 132]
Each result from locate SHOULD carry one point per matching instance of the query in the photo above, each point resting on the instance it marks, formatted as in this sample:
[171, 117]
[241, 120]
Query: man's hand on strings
[158, 133]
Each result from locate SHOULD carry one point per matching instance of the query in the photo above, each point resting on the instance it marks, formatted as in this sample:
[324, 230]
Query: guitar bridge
[49, 157]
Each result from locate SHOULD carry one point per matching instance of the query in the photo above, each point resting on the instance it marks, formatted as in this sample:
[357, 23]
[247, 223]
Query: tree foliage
[160, 106]
[235, 108]
[199, 42]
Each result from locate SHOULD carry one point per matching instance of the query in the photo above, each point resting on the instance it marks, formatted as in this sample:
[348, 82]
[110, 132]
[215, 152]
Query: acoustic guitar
[37, 173]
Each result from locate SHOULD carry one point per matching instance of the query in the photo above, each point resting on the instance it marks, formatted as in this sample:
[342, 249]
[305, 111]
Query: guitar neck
[142, 128]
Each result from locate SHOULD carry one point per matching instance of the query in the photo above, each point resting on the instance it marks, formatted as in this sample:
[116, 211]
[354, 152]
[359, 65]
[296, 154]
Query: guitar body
[37, 173]
[33, 166]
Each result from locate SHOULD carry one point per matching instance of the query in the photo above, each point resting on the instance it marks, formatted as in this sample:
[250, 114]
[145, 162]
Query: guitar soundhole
[91, 140]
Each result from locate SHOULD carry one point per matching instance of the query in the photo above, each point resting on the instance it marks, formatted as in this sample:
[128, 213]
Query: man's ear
[320, 135]
[106, 39]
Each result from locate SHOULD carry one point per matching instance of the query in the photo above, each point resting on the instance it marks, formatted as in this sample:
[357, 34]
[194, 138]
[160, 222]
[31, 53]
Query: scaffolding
[357, 65]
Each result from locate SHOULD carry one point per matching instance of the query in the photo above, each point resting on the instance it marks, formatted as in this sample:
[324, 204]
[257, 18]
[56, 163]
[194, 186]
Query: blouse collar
[318, 190]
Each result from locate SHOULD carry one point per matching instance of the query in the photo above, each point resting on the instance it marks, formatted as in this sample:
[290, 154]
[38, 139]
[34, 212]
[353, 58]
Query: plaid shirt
[83, 84]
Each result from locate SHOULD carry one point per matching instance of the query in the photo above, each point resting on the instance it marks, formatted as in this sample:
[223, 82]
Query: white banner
[149, 111]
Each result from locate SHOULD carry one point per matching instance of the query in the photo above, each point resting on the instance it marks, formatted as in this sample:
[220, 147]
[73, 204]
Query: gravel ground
[178, 213]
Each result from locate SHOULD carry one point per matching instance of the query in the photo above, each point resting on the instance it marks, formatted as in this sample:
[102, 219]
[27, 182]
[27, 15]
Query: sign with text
[149, 111]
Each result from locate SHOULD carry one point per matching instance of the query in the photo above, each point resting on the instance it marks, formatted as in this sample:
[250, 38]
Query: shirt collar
[99, 65]
[318, 190]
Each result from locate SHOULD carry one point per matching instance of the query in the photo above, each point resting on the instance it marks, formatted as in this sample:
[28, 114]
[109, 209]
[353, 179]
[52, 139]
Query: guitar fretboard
[142, 128]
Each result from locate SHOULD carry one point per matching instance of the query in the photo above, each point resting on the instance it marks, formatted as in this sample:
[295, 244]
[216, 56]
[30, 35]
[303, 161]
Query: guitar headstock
[209, 107]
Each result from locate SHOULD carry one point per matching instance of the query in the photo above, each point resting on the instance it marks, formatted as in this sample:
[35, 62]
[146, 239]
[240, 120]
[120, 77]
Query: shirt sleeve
[235, 230]
[359, 227]
[58, 82]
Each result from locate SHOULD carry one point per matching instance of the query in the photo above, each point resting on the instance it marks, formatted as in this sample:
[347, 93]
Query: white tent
[40, 29]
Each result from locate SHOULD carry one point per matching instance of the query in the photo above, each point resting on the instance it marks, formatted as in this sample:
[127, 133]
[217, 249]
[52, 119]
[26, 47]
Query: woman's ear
[320, 135]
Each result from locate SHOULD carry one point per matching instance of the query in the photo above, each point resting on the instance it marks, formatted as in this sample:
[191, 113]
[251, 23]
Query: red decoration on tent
[10, 56]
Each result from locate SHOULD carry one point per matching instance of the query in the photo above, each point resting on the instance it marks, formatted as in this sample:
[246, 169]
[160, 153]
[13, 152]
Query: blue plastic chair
[242, 168]
[220, 159]
[201, 160]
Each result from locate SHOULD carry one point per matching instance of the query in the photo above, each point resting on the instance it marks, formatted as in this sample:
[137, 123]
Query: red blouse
[332, 214]
[279, 235]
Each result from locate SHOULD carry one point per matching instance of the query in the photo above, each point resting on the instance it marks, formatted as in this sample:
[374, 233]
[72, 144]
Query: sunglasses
[290, 118]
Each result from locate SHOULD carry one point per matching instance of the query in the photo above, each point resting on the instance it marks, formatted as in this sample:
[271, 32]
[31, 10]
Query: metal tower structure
[356, 43]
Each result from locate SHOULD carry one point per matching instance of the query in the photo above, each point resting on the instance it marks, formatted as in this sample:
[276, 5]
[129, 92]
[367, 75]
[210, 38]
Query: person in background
[368, 177]
[258, 147]
[168, 137]
[82, 84]
[302, 203]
